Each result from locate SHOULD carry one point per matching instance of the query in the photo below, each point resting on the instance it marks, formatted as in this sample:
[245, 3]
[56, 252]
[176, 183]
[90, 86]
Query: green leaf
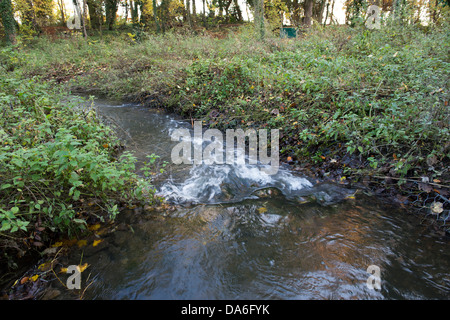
[80, 221]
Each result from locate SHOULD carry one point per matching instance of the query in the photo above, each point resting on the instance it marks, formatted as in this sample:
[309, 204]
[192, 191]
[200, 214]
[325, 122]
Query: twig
[411, 180]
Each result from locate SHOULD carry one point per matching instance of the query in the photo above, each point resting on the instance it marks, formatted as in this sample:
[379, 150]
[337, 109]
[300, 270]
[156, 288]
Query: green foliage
[380, 96]
[7, 19]
[55, 157]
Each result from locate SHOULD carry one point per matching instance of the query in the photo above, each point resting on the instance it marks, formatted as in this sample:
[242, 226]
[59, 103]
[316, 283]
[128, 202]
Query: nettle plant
[56, 157]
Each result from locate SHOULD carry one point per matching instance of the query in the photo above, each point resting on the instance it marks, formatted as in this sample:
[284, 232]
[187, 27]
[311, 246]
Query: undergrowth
[60, 168]
[371, 103]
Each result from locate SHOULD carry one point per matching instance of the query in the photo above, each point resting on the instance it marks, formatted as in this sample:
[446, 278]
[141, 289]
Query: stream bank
[227, 233]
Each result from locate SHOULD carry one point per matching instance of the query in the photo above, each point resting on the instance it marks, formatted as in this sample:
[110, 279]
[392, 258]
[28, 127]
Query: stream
[238, 233]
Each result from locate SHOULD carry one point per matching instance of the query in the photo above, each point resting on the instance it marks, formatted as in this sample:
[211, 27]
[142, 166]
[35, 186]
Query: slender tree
[62, 10]
[188, 14]
[204, 13]
[111, 7]
[155, 17]
[308, 7]
[7, 16]
[134, 12]
[95, 13]
[259, 19]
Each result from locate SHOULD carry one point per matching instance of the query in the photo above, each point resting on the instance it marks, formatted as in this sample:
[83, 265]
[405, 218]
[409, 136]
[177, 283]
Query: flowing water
[237, 233]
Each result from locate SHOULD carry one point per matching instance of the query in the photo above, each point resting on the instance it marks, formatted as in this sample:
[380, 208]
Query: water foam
[228, 183]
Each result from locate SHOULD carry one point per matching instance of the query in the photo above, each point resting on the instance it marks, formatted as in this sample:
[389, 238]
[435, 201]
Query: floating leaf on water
[262, 210]
[83, 267]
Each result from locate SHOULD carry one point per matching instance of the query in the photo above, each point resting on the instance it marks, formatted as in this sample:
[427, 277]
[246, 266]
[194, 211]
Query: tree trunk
[83, 18]
[126, 11]
[94, 14]
[227, 8]
[110, 12]
[238, 10]
[259, 19]
[155, 17]
[308, 6]
[434, 16]
[62, 11]
[332, 11]
[9, 24]
[188, 14]
[318, 11]
[204, 13]
[80, 16]
[134, 12]
[296, 12]
[30, 15]
[220, 7]
[326, 14]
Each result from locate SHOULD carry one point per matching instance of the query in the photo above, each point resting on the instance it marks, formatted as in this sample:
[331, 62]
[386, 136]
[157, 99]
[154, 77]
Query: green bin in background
[288, 32]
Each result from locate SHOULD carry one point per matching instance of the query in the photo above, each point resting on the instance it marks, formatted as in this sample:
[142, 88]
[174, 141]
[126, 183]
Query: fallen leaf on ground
[97, 242]
[45, 266]
[81, 243]
[94, 227]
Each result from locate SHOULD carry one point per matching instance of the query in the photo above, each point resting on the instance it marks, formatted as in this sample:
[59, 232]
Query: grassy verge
[353, 104]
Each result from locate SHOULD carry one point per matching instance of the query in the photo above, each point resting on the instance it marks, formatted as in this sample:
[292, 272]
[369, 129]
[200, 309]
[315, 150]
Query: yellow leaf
[57, 244]
[63, 270]
[262, 210]
[81, 243]
[97, 242]
[83, 267]
[94, 227]
[45, 266]
[34, 278]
